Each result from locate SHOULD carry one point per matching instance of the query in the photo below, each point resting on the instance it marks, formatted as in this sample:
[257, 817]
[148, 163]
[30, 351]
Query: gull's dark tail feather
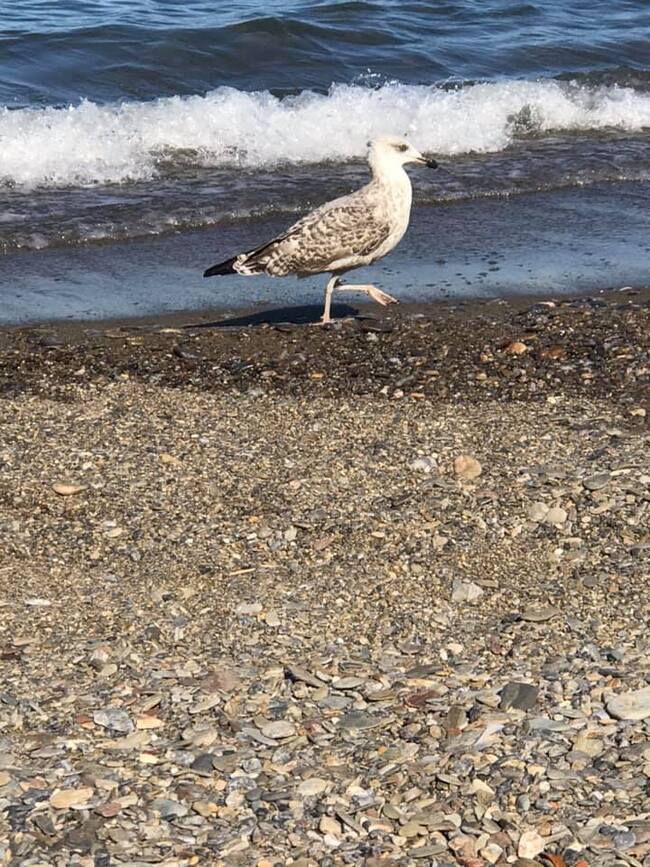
[222, 268]
[249, 263]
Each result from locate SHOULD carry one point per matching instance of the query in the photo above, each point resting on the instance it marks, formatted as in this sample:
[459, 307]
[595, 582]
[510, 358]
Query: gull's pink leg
[332, 283]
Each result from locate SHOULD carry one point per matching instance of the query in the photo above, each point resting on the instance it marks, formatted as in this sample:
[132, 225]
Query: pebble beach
[375, 594]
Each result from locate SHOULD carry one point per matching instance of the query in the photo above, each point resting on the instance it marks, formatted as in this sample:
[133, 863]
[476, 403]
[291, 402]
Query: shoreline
[350, 308]
[555, 243]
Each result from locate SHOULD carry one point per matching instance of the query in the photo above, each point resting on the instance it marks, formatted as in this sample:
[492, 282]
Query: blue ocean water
[57, 52]
[130, 118]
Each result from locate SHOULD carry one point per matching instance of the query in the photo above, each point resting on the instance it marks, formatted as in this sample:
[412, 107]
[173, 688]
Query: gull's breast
[396, 201]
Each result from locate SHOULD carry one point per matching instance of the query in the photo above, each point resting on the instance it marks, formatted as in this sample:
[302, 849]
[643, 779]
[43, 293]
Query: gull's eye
[402, 147]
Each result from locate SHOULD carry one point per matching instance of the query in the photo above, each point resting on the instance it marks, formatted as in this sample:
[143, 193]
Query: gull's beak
[423, 161]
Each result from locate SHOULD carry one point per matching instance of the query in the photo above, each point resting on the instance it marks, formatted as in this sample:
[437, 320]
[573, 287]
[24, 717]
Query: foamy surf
[90, 144]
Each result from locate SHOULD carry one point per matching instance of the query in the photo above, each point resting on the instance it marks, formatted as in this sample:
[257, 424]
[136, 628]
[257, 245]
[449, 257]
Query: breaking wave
[90, 144]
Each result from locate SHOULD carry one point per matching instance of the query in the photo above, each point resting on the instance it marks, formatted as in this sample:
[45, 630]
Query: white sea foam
[89, 143]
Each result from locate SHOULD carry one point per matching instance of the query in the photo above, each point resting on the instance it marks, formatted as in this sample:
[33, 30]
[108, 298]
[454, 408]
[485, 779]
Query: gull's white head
[391, 152]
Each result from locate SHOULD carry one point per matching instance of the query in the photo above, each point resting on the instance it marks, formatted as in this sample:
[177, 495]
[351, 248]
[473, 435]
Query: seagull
[346, 233]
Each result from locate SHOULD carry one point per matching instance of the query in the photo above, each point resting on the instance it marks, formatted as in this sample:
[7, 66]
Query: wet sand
[555, 242]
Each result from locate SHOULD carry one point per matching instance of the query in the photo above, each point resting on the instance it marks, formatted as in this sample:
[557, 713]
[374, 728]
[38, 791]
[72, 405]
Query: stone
[222, 678]
[492, 853]
[464, 845]
[537, 512]
[534, 614]
[63, 799]
[67, 489]
[298, 673]
[249, 609]
[585, 742]
[488, 697]
[312, 787]
[134, 741]
[518, 696]
[466, 467]
[412, 829]
[206, 703]
[624, 839]
[114, 532]
[630, 705]
[109, 810]
[169, 459]
[597, 481]
[203, 764]
[278, 729]
[556, 515]
[329, 825]
[359, 720]
[113, 718]
[424, 852]
[554, 352]
[465, 591]
[348, 683]
[523, 803]
[99, 657]
[424, 465]
[516, 347]
[147, 722]
[456, 718]
[483, 792]
[169, 809]
[530, 845]
[272, 619]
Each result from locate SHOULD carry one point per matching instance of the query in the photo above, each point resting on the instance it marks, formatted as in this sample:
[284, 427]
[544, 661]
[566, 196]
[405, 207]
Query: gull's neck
[386, 170]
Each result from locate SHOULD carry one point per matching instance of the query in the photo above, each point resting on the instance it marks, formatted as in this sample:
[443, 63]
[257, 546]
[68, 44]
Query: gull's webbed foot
[380, 297]
[371, 291]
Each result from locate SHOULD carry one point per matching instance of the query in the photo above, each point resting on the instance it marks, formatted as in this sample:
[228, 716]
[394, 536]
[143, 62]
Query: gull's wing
[348, 228]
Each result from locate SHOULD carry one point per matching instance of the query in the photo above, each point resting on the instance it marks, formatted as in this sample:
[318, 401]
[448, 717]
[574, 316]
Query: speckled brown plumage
[339, 230]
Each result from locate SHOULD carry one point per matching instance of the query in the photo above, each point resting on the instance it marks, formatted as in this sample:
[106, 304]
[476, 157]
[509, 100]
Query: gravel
[254, 610]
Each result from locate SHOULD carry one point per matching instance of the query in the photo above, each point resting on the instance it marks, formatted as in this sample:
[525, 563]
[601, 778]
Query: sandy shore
[371, 595]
